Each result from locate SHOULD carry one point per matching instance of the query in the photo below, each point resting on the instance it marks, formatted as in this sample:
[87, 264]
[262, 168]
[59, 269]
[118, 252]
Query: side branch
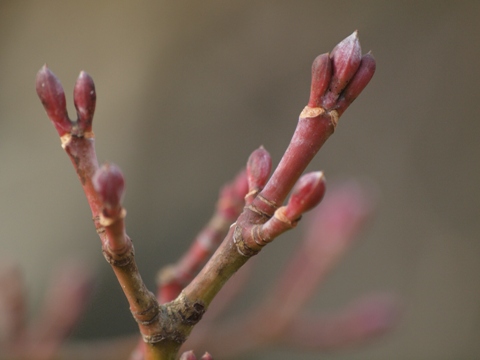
[337, 79]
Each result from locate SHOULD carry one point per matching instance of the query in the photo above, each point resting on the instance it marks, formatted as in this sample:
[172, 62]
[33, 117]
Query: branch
[331, 231]
[103, 193]
[337, 79]
[335, 84]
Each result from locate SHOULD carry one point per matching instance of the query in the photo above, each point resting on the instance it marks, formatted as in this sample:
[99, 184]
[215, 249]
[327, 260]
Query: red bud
[84, 97]
[321, 75]
[346, 57]
[259, 166]
[50, 92]
[206, 356]
[306, 194]
[240, 185]
[109, 183]
[360, 80]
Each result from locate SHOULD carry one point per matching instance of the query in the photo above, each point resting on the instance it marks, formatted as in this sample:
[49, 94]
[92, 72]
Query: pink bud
[360, 80]
[188, 355]
[50, 92]
[321, 75]
[232, 195]
[206, 356]
[306, 194]
[346, 57]
[240, 185]
[259, 166]
[84, 97]
[109, 183]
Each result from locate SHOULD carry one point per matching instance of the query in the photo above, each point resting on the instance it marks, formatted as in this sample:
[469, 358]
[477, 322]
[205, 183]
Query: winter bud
[346, 58]
[360, 80]
[259, 166]
[321, 75]
[50, 92]
[84, 97]
[306, 194]
[109, 183]
[240, 185]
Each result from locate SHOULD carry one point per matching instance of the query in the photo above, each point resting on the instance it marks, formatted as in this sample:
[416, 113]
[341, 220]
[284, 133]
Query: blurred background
[186, 90]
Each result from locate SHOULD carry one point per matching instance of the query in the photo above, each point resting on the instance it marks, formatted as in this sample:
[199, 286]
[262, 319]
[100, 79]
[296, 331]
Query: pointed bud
[321, 75]
[346, 57]
[259, 166]
[188, 355]
[206, 356]
[306, 194]
[360, 80]
[84, 97]
[109, 183]
[50, 92]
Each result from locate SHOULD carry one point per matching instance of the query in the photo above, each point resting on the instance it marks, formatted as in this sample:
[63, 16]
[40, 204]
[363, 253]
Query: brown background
[187, 89]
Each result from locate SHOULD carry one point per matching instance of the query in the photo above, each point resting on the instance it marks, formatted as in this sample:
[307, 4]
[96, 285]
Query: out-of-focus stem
[172, 279]
[12, 305]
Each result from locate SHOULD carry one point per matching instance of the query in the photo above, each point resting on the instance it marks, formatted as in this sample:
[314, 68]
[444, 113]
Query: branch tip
[346, 58]
[51, 94]
[306, 194]
[84, 96]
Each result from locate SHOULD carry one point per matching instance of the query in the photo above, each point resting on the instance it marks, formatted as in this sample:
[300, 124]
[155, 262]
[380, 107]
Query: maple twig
[331, 231]
[337, 79]
[264, 216]
[103, 195]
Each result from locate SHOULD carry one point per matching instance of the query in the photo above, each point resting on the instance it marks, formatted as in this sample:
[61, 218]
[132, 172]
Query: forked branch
[337, 79]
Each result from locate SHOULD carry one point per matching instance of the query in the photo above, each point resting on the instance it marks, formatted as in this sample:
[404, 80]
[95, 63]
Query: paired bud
[109, 183]
[84, 98]
[306, 194]
[52, 96]
[332, 75]
[51, 93]
[259, 165]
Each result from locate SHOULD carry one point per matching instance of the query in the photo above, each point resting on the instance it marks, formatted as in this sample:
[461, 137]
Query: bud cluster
[51, 93]
[339, 77]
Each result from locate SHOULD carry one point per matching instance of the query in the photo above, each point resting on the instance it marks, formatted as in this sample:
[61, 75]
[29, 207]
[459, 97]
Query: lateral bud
[306, 194]
[321, 75]
[259, 165]
[52, 96]
[359, 81]
[109, 183]
[84, 98]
